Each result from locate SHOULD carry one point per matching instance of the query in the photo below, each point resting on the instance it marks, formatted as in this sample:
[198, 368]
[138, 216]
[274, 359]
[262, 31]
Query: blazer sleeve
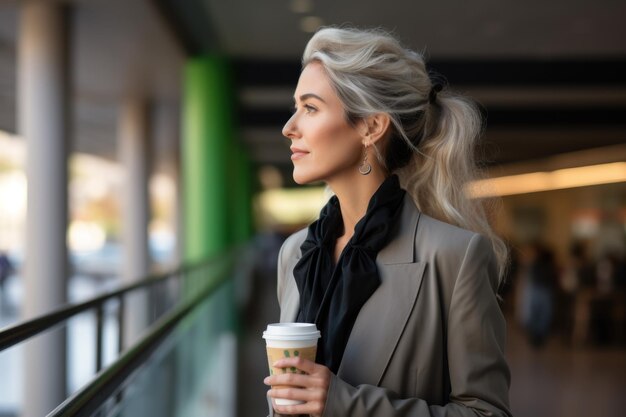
[479, 375]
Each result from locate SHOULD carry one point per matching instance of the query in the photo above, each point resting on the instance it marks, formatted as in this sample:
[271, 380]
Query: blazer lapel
[383, 317]
[291, 299]
[380, 324]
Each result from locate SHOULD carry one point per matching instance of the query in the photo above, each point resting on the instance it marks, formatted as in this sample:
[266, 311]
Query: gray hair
[433, 138]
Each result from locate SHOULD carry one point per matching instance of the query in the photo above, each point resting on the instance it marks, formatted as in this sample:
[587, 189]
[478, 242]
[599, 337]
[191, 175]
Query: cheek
[337, 138]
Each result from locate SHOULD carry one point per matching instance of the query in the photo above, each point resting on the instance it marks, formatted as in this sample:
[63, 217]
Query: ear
[375, 128]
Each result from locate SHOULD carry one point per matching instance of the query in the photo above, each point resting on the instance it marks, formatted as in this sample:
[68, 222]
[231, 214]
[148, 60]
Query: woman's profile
[400, 271]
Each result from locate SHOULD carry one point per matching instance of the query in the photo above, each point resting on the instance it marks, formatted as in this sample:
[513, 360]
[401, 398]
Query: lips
[297, 153]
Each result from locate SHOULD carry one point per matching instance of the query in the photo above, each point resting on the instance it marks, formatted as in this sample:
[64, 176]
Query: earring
[365, 168]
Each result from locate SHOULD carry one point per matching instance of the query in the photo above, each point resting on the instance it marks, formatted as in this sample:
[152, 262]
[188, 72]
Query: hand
[312, 387]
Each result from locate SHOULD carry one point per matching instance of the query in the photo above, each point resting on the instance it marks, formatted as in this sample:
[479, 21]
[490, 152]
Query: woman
[400, 279]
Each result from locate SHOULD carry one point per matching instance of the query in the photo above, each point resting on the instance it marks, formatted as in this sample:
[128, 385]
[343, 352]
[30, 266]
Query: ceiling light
[546, 181]
[310, 24]
[301, 6]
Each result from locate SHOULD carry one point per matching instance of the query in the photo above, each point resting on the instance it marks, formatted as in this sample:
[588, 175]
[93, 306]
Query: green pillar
[207, 135]
[207, 125]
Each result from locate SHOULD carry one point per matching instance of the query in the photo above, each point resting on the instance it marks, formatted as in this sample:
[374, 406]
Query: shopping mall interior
[146, 189]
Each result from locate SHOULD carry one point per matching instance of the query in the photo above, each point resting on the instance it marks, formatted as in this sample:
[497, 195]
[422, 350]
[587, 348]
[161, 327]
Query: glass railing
[183, 365]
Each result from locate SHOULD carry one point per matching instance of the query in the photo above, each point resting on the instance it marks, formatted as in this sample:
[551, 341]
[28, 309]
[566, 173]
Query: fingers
[304, 365]
[311, 408]
[314, 376]
[313, 400]
[310, 387]
[295, 380]
[295, 393]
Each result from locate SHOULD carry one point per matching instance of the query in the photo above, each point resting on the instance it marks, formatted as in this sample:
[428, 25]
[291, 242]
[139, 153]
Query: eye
[307, 109]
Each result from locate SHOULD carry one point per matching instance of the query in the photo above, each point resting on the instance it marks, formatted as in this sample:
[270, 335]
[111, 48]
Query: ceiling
[457, 29]
[551, 76]
[119, 49]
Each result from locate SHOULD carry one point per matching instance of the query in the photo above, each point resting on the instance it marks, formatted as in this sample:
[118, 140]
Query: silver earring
[365, 168]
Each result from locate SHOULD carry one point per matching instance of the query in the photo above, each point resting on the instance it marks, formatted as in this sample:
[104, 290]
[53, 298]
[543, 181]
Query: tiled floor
[556, 381]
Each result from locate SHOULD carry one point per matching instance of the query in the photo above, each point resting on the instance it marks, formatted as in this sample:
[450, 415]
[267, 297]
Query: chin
[302, 178]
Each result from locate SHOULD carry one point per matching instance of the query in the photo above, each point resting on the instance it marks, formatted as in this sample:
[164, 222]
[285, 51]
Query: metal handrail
[17, 333]
[88, 399]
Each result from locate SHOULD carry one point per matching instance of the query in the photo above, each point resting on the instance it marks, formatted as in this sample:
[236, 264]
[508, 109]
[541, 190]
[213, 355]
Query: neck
[354, 195]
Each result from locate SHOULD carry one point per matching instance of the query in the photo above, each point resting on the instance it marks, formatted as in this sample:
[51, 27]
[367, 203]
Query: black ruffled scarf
[332, 296]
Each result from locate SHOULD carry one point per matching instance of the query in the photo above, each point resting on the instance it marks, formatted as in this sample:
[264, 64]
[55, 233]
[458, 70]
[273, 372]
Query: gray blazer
[430, 340]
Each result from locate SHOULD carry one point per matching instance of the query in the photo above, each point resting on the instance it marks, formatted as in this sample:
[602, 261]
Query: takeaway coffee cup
[288, 340]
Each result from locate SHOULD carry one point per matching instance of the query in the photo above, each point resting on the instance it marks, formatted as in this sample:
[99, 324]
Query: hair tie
[432, 96]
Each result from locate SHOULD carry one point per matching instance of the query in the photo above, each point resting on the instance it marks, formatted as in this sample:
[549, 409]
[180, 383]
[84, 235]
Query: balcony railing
[192, 329]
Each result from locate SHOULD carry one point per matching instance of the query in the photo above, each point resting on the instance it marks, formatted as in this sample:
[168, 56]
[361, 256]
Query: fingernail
[265, 381]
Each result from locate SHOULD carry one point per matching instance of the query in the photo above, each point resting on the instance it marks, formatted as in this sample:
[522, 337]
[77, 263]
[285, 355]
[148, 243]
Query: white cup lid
[291, 331]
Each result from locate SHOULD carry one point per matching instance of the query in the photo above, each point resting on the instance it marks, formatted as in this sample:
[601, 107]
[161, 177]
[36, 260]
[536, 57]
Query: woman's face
[324, 146]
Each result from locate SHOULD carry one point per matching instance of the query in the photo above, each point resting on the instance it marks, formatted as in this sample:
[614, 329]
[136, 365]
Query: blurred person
[6, 269]
[540, 277]
[619, 308]
[607, 271]
[577, 273]
[607, 307]
[400, 271]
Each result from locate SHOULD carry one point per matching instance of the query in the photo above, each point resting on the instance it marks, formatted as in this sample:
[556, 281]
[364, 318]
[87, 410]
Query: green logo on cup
[287, 355]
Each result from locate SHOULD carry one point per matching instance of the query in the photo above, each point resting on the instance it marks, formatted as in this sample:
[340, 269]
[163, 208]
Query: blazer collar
[401, 247]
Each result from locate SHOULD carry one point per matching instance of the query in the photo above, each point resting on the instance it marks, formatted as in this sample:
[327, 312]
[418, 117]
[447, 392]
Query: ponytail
[437, 174]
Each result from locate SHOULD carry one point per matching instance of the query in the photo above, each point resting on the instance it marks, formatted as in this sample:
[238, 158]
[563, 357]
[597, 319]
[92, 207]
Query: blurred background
[107, 106]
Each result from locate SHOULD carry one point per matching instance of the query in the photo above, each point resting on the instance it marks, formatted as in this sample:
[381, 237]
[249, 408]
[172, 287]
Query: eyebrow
[311, 95]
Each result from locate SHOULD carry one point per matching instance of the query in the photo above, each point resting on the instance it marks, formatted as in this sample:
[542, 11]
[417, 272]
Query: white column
[178, 215]
[172, 169]
[42, 110]
[134, 156]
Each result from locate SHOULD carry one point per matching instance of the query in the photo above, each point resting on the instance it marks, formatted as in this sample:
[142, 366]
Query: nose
[289, 130]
